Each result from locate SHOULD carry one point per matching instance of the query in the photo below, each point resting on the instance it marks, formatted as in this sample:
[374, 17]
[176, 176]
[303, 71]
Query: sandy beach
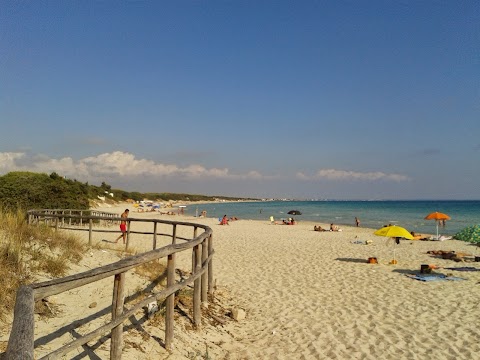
[307, 295]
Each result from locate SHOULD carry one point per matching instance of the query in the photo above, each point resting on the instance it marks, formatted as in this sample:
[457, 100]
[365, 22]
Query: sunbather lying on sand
[418, 236]
[319, 228]
[449, 255]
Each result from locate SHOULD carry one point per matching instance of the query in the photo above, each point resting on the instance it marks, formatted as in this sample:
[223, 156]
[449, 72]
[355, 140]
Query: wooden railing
[21, 341]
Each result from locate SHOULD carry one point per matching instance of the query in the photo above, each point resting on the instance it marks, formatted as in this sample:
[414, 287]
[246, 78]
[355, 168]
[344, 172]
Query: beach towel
[440, 238]
[433, 277]
[465, 268]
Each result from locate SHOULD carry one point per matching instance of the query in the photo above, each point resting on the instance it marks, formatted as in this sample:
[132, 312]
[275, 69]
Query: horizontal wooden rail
[21, 341]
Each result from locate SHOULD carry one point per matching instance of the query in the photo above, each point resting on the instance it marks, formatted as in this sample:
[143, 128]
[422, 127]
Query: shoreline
[118, 208]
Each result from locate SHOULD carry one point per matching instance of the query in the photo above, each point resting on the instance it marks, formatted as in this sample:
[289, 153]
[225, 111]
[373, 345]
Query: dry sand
[307, 295]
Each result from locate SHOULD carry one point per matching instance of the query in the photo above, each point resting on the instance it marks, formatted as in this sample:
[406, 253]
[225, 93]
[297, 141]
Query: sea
[372, 214]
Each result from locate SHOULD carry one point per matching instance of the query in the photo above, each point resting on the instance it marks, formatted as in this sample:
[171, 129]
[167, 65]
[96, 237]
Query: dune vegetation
[27, 252]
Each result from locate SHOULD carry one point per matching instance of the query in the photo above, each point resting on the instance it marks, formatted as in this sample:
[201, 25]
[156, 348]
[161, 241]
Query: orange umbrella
[437, 216]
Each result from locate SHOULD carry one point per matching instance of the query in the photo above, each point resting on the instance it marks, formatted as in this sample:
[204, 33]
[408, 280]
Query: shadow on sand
[354, 260]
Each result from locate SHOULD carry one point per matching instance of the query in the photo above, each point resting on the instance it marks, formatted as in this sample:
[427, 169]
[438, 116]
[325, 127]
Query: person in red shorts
[123, 226]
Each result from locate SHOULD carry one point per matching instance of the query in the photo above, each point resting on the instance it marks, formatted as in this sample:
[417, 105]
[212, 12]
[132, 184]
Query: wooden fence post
[174, 234]
[197, 312]
[170, 302]
[21, 341]
[210, 265]
[193, 250]
[90, 224]
[81, 218]
[154, 235]
[205, 273]
[128, 234]
[117, 310]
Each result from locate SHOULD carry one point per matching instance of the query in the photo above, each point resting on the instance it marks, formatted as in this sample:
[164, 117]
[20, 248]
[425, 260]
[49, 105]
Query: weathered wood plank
[57, 286]
[20, 343]
[154, 235]
[117, 309]
[204, 278]
[90, 225]
[210, 265]
[197, 312]
[170, 303]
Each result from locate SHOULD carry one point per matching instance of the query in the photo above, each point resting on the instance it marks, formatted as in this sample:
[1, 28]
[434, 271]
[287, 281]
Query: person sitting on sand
[224, 220]
[334, 227]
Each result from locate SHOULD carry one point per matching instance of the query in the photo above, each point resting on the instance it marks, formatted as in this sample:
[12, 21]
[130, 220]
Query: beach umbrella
[469, 234]
[394, 232]
[437, 216]
[294, 212]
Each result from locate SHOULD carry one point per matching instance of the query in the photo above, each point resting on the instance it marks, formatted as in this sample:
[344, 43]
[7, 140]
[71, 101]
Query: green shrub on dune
[27, 190]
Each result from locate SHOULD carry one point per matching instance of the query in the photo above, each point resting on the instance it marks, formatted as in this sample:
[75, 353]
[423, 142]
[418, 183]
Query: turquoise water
[372, 214]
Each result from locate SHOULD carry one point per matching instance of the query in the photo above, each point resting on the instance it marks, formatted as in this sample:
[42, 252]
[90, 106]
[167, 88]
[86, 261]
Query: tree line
[28, 190]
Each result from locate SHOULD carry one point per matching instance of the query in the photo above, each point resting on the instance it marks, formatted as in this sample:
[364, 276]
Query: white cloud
[117, 163]
[8, 159]
[343, 175]
[121, 165]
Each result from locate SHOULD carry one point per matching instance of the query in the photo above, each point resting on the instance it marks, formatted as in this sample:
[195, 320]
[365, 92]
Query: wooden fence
[21, 341]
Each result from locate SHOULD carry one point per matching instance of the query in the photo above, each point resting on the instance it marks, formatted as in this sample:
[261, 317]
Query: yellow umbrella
[393, 232]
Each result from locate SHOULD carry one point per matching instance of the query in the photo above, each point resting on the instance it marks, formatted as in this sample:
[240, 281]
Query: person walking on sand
[357, 221]
[123, 226]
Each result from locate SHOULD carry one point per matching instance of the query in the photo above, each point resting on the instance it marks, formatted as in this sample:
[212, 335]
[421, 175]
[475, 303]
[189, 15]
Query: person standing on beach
[123, 226]
[357, 221]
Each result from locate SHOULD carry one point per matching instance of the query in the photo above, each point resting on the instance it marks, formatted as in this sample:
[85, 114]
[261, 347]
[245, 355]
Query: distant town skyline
[274, 99]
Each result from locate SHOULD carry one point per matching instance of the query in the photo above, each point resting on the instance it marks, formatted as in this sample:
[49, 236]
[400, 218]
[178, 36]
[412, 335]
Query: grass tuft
[26, 250]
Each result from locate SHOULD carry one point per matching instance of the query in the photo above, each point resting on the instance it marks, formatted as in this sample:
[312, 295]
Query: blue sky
[284, 99]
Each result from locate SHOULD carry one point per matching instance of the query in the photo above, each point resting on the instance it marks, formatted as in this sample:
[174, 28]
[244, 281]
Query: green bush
[27, 190]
